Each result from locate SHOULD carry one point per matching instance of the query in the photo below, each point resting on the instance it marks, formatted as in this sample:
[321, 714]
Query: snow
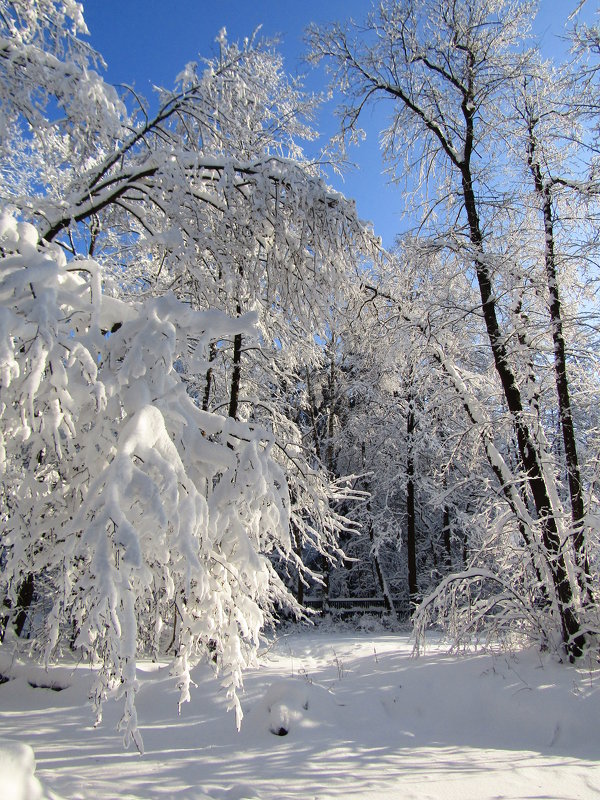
[364, 719]
[17, 767]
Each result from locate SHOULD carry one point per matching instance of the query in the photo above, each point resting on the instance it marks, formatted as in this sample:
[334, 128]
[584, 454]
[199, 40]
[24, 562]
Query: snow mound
[290, 702]
[286, 701]
[17, 768]
[38, 677]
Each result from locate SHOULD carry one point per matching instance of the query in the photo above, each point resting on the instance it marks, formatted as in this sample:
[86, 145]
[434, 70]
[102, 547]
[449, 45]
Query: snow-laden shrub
[127, 505]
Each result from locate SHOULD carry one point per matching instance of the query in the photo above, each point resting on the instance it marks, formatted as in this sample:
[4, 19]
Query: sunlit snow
[364, 719]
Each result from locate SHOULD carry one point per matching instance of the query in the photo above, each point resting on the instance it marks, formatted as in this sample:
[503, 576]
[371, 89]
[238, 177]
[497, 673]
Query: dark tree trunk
[560, 371]
[447, 539]
[297, 544]
[313, 414]
[572, 635]
[236, 375]
[383, 587]
[331, 390]
[325, 593]
[208, 379]
[330, 394]
[411, 543]
[313, 411]
[24, 600]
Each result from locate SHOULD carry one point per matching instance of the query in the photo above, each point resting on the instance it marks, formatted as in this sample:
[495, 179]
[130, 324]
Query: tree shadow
[380, 725]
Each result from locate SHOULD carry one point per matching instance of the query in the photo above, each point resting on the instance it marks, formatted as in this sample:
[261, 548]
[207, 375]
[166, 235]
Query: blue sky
[147, 42]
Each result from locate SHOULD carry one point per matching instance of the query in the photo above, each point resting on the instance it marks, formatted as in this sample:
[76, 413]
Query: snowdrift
[327, 715]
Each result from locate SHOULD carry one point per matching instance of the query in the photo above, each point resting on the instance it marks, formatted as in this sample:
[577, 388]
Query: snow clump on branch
[147, 509]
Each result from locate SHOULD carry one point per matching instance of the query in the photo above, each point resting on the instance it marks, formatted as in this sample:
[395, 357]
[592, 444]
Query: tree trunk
[24, 600]
[447, 540]
[572, 635]
[331, 389]
[330, 393]
[234, 394]
[325, 592]
[297, 544]
[411, 544]
[313, 414]
[383, 586]
[208, 379]
[560, 372]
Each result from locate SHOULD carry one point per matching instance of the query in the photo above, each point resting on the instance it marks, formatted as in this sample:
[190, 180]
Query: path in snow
[328, 716]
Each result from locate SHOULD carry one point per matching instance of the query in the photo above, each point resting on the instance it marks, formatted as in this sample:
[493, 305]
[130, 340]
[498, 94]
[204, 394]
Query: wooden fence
[347, 604]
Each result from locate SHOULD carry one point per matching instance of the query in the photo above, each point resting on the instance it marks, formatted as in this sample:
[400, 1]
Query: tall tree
[542, 122]
[448, 68]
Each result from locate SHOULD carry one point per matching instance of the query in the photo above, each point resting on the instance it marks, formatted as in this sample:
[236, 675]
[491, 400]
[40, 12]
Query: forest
[224, 405]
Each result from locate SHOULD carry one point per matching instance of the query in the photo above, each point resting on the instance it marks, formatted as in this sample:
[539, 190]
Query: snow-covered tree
[449, 73]
[163, 276]
[130, 505]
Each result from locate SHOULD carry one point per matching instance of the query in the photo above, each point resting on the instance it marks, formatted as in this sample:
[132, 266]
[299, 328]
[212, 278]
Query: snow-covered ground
[364, 719]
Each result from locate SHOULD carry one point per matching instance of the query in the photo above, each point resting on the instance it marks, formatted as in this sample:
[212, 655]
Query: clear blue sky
[147, 42]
